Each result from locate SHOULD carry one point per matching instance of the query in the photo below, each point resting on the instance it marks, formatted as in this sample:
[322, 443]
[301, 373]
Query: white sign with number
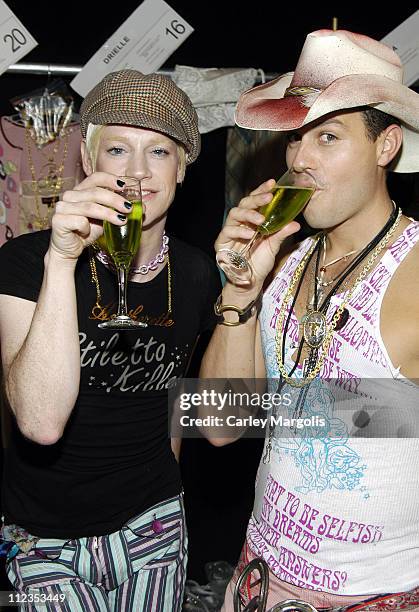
[15, 40]
[405, 40]
[144, 42]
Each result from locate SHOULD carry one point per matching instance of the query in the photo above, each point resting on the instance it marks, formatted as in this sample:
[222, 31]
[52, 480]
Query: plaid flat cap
[150, 101]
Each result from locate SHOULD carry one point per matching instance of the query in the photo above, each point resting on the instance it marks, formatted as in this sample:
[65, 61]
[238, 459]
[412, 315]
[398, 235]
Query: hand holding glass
[291, 193]
[122, 243]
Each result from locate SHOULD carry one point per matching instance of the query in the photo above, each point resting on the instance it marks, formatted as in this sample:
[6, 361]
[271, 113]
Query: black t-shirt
[114, 459]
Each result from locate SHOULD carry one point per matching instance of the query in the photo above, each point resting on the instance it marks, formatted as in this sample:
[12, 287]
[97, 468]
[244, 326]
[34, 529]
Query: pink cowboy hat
[337, 70]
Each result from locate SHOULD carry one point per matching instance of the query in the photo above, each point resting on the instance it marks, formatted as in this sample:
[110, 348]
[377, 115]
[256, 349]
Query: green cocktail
[286, 204]
[123, 241]
[291, 193]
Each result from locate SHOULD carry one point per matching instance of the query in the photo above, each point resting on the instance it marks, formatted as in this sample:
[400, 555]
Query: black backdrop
[218, 481]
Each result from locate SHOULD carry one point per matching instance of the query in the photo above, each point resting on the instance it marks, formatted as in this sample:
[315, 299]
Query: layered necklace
[321, 283]
[100, 312]
[317, 334]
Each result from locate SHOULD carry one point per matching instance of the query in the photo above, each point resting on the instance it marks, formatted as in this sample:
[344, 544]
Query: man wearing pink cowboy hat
[336, 514]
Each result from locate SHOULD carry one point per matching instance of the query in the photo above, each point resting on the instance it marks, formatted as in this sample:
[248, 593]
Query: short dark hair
[376, 121]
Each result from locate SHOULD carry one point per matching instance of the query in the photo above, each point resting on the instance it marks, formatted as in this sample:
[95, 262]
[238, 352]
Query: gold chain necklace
[320, 284]
[99, 312]
[325, 344]
[331, 263]
[53, 182]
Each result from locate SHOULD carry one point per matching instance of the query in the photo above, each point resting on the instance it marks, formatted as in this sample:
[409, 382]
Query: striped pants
[132, 569]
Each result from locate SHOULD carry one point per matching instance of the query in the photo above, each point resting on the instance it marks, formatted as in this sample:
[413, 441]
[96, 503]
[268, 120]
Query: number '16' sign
[176, 29]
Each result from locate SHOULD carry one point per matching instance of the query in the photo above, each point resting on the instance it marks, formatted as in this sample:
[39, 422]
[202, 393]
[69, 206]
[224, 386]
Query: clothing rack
[48, 69]
[69, 70]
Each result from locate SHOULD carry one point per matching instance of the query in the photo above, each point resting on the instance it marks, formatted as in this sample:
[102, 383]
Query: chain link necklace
[145, 268]
[99, 312]
[315, 331]
[313, 363]
[320, 278]
[49, 185]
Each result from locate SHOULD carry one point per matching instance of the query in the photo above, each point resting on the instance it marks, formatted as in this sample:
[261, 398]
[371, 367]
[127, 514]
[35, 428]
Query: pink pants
[280, 590]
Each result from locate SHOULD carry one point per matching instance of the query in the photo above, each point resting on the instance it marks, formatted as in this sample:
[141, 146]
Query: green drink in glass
[122, 243]
[286, 204]
[291, 194]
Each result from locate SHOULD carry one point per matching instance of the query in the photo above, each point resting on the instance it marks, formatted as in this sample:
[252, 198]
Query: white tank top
[339, 512]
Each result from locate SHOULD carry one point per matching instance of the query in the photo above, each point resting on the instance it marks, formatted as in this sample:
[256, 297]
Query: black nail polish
[122, 217]
[120, 183]
[128, 205]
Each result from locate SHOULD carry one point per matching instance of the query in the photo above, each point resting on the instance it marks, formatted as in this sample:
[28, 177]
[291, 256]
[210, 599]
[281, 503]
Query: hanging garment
[214, 92]
[32, 179]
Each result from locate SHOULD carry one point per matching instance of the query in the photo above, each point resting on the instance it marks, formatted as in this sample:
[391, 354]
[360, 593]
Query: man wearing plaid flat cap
[92, 498]
[336, 506]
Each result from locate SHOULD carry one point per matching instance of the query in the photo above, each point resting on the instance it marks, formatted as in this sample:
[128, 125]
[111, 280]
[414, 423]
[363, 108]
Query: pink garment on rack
[27, 205]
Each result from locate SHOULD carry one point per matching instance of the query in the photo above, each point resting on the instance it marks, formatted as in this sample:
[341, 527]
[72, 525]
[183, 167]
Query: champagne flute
[291, 193]
[122, 243]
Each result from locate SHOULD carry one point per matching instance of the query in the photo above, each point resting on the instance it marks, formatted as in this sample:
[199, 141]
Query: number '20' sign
[17, 39]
